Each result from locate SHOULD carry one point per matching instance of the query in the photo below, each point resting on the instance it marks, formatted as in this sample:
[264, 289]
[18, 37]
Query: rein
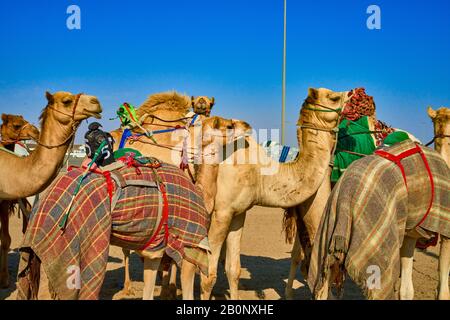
[439, 136]
[74, 124]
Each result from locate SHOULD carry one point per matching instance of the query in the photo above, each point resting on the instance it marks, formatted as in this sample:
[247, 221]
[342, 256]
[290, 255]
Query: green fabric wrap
[395, 137]
[354, 136]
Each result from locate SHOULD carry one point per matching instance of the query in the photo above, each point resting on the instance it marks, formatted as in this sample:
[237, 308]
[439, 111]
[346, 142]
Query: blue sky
[231, 50]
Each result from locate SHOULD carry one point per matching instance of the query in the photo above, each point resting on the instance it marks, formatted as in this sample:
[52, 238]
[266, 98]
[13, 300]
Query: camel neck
[295, 182]
[34, 173]
[442, 145]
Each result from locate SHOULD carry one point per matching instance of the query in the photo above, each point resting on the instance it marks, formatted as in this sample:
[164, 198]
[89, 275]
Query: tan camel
[14, 129]
[301, 222]
[170, 110]
[27, 176]
[224, 131]
[249, 177]
[441, 122]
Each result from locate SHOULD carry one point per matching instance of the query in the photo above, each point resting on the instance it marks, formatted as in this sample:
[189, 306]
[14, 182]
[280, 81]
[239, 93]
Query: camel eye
[17, 127]
[335, 98]
[230, 126]
[67, 101]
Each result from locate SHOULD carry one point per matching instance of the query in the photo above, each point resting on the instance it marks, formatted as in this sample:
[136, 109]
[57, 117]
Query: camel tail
[290, 224]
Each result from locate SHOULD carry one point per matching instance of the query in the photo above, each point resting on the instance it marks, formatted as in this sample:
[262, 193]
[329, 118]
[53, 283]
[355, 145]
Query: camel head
[223, 131]
[323, 107]
[202, 105]
[441, 121]
[15, 128]
[67, 108]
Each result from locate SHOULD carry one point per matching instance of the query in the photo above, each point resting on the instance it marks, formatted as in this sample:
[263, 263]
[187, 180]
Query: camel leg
[173, 281]
[169, 283]
[127, 287]
[150, 270]
[296, 258]
[406, 261]
[5, 244]
[217, 233]
[444, 268]
[187, 280]
[233, 255]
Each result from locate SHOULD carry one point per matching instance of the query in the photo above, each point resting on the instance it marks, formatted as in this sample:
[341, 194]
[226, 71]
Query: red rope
[164, 220]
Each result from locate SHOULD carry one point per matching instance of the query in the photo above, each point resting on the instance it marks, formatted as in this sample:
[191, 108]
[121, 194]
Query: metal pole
[283, 94]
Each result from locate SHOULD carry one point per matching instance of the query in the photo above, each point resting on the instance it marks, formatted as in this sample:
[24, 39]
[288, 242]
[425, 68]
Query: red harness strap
[164, 219]
[397, 160]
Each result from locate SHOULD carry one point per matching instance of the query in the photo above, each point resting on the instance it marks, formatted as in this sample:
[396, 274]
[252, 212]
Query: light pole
[283, 94]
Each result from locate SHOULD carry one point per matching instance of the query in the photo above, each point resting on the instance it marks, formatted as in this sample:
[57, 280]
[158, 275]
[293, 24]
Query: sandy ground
[265, 262]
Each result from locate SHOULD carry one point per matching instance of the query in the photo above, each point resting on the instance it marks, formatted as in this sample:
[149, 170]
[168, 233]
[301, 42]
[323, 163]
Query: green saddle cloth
[354, 136]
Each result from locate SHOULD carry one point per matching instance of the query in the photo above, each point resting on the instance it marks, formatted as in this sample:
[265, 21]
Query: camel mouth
[93, 114]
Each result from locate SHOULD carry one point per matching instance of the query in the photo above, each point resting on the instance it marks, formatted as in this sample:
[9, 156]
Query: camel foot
[127, 291]
[207, 284]
[169, 293]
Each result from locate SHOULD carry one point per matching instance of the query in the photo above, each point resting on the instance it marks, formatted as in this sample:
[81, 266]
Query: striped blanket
[92, 226]
[368, 213]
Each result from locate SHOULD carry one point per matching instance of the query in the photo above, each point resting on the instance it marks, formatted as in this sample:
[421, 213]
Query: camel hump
[171, 101]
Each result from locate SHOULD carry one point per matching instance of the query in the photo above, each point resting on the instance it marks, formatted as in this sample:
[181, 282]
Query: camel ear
[431, 113]
[4, 118]
[212, 102]
[49, 97]
[192, 100]
[312, 93]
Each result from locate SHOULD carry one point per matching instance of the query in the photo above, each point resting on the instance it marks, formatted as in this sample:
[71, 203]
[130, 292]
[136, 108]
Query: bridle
[18, 136]
[73, 121]
[334, 130]
[438, 136]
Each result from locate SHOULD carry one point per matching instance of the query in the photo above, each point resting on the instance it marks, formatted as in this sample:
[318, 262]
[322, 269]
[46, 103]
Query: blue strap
[193, 119]
[284, 153]
[125, 135]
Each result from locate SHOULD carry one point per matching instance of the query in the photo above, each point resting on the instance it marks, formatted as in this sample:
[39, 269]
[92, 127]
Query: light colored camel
[441, 122]
[249, 177]
[14, 129]
[302, 221]
[167, 111]
[27, 176]
[223, 132]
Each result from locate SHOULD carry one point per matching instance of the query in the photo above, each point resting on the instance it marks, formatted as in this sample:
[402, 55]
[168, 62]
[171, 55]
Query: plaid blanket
[368, 213]
[92, 227]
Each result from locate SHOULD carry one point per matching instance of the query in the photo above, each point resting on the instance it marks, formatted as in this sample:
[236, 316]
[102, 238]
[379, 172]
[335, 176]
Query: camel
[301, 222]
[14, 129]
[27, 176]
[441, 122]
[376, 212]
[181, 194]
[183, 140]
[265, 182]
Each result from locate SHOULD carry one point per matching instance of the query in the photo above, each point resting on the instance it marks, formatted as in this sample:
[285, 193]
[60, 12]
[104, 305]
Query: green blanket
[354, 139]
